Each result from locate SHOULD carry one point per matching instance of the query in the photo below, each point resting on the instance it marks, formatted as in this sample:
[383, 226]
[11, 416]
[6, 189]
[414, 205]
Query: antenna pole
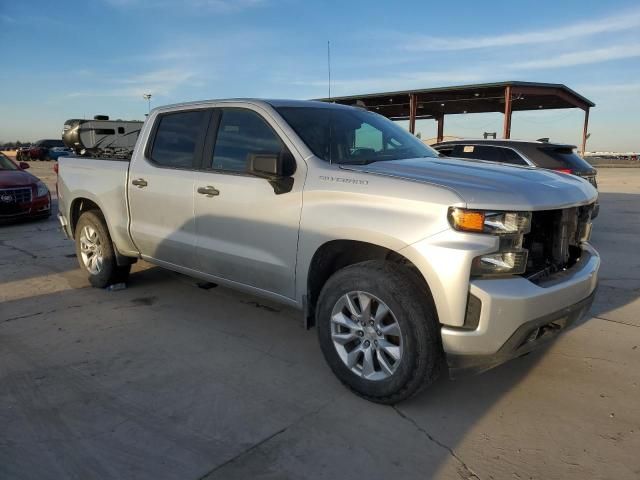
[329, 65]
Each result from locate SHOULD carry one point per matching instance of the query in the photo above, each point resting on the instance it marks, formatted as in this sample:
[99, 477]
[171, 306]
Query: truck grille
[554, 240]
[15, 201]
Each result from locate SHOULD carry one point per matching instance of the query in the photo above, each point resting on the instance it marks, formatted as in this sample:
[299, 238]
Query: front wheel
[95, 252]
[378, 331]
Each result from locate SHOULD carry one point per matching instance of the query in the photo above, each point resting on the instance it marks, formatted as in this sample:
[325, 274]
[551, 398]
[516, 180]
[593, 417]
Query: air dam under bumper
[517, 315]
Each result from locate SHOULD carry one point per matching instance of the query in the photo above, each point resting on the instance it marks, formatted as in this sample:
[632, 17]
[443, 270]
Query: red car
[22, 195]
[40, 151]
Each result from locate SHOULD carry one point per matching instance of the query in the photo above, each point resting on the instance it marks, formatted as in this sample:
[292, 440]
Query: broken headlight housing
[511, 258]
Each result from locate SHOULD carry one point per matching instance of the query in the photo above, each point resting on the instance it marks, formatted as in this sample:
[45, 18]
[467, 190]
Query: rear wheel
[378, 331]
[95, 252]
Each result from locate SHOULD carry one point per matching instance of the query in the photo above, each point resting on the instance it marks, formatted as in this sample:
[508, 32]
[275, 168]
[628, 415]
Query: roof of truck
[259, 101]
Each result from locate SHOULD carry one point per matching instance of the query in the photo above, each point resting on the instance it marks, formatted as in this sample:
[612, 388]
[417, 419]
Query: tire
[411, 309]
[93, 240]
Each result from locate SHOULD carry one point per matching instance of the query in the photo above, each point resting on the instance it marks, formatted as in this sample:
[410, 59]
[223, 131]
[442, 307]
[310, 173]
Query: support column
[413, 109]
[507, 112]
[440, 120]
[585, 132]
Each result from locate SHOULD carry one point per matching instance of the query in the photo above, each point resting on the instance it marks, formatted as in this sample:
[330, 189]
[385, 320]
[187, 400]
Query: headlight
[42, 190]
[510, 258]
[482, 221]
[501, 263]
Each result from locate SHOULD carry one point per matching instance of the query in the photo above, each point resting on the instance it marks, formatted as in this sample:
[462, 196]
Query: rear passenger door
[161, 188]
[246, 229]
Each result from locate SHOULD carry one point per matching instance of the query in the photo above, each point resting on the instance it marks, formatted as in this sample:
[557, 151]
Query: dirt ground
[165, 380]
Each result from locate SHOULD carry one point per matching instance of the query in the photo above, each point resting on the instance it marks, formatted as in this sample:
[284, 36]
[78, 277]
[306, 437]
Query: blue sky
[69, 59]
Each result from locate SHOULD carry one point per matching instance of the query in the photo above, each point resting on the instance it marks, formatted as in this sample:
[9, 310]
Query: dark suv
[554, 156]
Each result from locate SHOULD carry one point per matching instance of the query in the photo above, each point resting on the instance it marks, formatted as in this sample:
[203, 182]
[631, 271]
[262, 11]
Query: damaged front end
[554, 242]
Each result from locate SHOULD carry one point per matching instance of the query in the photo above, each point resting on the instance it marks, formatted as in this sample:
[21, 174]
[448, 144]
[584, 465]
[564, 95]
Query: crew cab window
[241, 134]
[177, 138]
[489, 153]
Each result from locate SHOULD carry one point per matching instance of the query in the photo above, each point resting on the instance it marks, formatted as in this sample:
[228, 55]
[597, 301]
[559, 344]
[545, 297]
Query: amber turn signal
[466, 220]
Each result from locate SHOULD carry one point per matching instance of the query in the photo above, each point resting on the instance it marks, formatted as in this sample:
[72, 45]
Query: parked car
[22, 153]
[40, 151]
[539, 154]
[22, 195]
[404, 261]
[56, 152]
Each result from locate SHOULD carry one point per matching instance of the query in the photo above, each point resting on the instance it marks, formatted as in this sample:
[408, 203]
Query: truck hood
[486, 185]
[16, 178]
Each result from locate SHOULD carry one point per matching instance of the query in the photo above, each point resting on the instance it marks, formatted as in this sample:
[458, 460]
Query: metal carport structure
[504, 97]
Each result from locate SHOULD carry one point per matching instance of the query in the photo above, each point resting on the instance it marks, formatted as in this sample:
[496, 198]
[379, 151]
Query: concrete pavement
[165, 380]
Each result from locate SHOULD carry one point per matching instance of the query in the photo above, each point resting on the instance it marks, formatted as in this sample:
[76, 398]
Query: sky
[75, 59]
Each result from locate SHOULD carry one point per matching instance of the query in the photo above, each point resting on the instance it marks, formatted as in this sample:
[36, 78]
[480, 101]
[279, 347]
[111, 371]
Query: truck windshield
[354, 136]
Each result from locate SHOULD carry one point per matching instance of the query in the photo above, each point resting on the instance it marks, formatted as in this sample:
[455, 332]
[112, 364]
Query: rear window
[488, 152]
[562, 158]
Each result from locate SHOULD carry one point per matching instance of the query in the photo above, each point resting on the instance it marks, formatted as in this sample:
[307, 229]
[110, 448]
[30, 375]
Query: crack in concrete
[55, 310]
[615, 321]
[257, 445]
[468, 473]
[242, 453]
[3, 243]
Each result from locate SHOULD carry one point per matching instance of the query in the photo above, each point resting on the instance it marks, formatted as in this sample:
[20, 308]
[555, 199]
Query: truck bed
[102, 181]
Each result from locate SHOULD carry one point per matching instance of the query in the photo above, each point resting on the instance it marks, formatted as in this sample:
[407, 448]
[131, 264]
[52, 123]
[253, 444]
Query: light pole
[147, 97]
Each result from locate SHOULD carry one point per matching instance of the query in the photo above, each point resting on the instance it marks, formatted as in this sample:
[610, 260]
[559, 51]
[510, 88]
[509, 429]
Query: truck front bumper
[518, 315]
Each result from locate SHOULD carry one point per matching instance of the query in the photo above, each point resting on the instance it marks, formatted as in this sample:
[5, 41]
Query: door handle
[139, 182]
[209, 191]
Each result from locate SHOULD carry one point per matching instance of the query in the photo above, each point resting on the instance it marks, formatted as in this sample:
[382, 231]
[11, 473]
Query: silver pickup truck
[406, 264]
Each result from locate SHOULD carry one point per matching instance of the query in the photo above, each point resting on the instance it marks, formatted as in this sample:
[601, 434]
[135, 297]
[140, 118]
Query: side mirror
[272, 165]
[265, 165]
[23, 165]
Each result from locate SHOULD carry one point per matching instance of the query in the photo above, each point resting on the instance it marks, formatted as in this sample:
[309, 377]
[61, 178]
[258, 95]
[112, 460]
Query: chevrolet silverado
[406, 263]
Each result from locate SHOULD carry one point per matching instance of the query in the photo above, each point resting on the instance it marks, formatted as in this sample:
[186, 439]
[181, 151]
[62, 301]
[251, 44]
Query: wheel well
[337, 254]
[78, 207]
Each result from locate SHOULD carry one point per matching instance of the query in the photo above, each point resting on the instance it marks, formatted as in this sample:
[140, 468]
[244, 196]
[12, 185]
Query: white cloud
[158, 82]
[615, 23]
[582, 57]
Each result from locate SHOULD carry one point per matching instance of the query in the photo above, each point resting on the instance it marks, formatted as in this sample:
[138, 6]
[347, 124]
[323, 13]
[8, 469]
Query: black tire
[410, 301]
[110, 272]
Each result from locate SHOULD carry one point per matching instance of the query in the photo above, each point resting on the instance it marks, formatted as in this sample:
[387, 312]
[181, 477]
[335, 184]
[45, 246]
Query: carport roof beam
[504, 97]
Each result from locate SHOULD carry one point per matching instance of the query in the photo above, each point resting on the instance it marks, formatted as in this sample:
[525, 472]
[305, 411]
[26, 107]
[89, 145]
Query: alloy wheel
[366, 335]
[91, 250]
